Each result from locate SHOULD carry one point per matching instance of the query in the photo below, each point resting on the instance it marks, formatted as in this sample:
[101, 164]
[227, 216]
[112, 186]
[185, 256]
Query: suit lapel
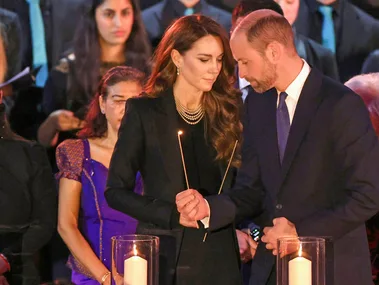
[309, 100]
[167, 132]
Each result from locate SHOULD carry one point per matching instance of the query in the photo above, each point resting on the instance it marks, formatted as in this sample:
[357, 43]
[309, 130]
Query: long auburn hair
[223, 103]
[96, 126]
[87, 51]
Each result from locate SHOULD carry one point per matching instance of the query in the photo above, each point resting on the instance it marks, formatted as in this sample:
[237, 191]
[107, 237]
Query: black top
[199, 155]
[199, 261]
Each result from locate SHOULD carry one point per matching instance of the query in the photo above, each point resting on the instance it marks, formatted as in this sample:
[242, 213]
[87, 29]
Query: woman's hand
[66, 121]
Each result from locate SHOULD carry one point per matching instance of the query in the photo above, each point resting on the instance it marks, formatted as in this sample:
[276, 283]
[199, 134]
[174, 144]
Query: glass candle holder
[135, 260]
[300, 261]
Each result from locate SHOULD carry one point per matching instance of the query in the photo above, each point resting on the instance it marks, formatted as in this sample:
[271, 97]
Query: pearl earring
[178, 71]
[102, 111]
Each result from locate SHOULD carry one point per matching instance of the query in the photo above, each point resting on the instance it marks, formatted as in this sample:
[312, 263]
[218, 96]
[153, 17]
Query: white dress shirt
[243, 84]
[294, 90]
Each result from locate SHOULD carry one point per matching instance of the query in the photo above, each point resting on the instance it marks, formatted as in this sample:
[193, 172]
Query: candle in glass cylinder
[300, 270]
[135, 269]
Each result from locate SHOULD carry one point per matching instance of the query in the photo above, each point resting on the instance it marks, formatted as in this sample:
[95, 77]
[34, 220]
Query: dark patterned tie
[282, 124]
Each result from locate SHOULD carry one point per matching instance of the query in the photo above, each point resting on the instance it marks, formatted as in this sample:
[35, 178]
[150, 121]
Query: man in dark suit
[158, 17]
[309, 148]
[355, 35]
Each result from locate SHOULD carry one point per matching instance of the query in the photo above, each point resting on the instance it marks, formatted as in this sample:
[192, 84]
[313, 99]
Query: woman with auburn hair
[85, 222]
[190, 90]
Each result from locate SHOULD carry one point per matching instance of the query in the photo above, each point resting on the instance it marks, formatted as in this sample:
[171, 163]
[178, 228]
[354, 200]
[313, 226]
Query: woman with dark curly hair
[85, 222]
[190, 90]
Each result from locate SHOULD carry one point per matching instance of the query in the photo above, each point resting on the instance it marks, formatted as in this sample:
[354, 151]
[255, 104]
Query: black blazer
[317, 56]
[357, 34]
[148, 143]
[28, 206]
[328, 184]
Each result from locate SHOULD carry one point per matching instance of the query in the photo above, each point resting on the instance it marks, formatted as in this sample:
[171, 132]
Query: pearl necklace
[191, 117]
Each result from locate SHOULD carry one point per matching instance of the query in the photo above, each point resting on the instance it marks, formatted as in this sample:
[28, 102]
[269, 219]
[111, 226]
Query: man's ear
[274, 52]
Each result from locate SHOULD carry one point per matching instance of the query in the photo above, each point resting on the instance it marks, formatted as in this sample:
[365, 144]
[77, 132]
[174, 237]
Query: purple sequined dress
[97, 222]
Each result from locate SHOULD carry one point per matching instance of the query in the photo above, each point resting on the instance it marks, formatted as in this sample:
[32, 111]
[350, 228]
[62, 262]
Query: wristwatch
[254, 231]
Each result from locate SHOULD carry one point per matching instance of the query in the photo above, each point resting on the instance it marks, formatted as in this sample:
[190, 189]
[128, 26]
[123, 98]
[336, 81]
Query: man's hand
[191, 205]
[282, 228]
[247, 246]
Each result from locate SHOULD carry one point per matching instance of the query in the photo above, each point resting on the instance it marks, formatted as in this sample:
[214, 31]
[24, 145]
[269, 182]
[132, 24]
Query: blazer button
[279, 206]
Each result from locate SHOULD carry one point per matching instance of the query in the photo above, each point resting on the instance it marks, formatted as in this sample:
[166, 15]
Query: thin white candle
[135, 269]
[182, 155]
[300, 270]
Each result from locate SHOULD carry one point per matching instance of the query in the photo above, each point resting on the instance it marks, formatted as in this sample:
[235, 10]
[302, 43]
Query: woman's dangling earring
[177, 71]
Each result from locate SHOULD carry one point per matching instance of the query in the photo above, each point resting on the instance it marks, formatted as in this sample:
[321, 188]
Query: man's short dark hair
[245, 7]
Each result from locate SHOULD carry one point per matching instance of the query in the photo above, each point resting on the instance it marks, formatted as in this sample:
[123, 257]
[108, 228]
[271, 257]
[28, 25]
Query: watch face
[255, 232]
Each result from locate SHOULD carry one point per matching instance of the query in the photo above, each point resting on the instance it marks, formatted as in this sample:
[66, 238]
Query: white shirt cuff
[205, 221]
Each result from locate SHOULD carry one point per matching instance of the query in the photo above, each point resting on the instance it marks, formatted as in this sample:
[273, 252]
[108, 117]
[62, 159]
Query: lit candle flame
[180, 133]
[135, 250]
[300, 251]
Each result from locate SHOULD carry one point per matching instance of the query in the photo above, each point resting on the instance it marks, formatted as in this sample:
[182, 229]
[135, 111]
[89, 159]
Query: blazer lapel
[167, 132]
[305, 110]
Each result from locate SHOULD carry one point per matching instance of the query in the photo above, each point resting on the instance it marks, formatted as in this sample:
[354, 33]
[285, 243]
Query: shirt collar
[294, 89]
[243, 83]
[179, 7]
[313, 6]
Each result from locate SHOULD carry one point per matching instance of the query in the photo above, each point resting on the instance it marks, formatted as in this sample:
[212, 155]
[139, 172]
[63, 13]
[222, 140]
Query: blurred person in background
[349, 32]
[161, 15]
[45, 35]
[110, 34]
[27, 201]
[367, 87]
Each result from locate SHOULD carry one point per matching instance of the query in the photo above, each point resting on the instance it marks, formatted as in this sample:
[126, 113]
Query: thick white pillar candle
[135, 270]
[300, 271]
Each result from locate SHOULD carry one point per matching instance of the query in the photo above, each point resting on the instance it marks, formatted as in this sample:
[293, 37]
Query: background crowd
[86, 58]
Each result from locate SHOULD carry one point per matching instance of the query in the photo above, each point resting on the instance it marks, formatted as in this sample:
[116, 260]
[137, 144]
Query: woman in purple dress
[85, 222]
